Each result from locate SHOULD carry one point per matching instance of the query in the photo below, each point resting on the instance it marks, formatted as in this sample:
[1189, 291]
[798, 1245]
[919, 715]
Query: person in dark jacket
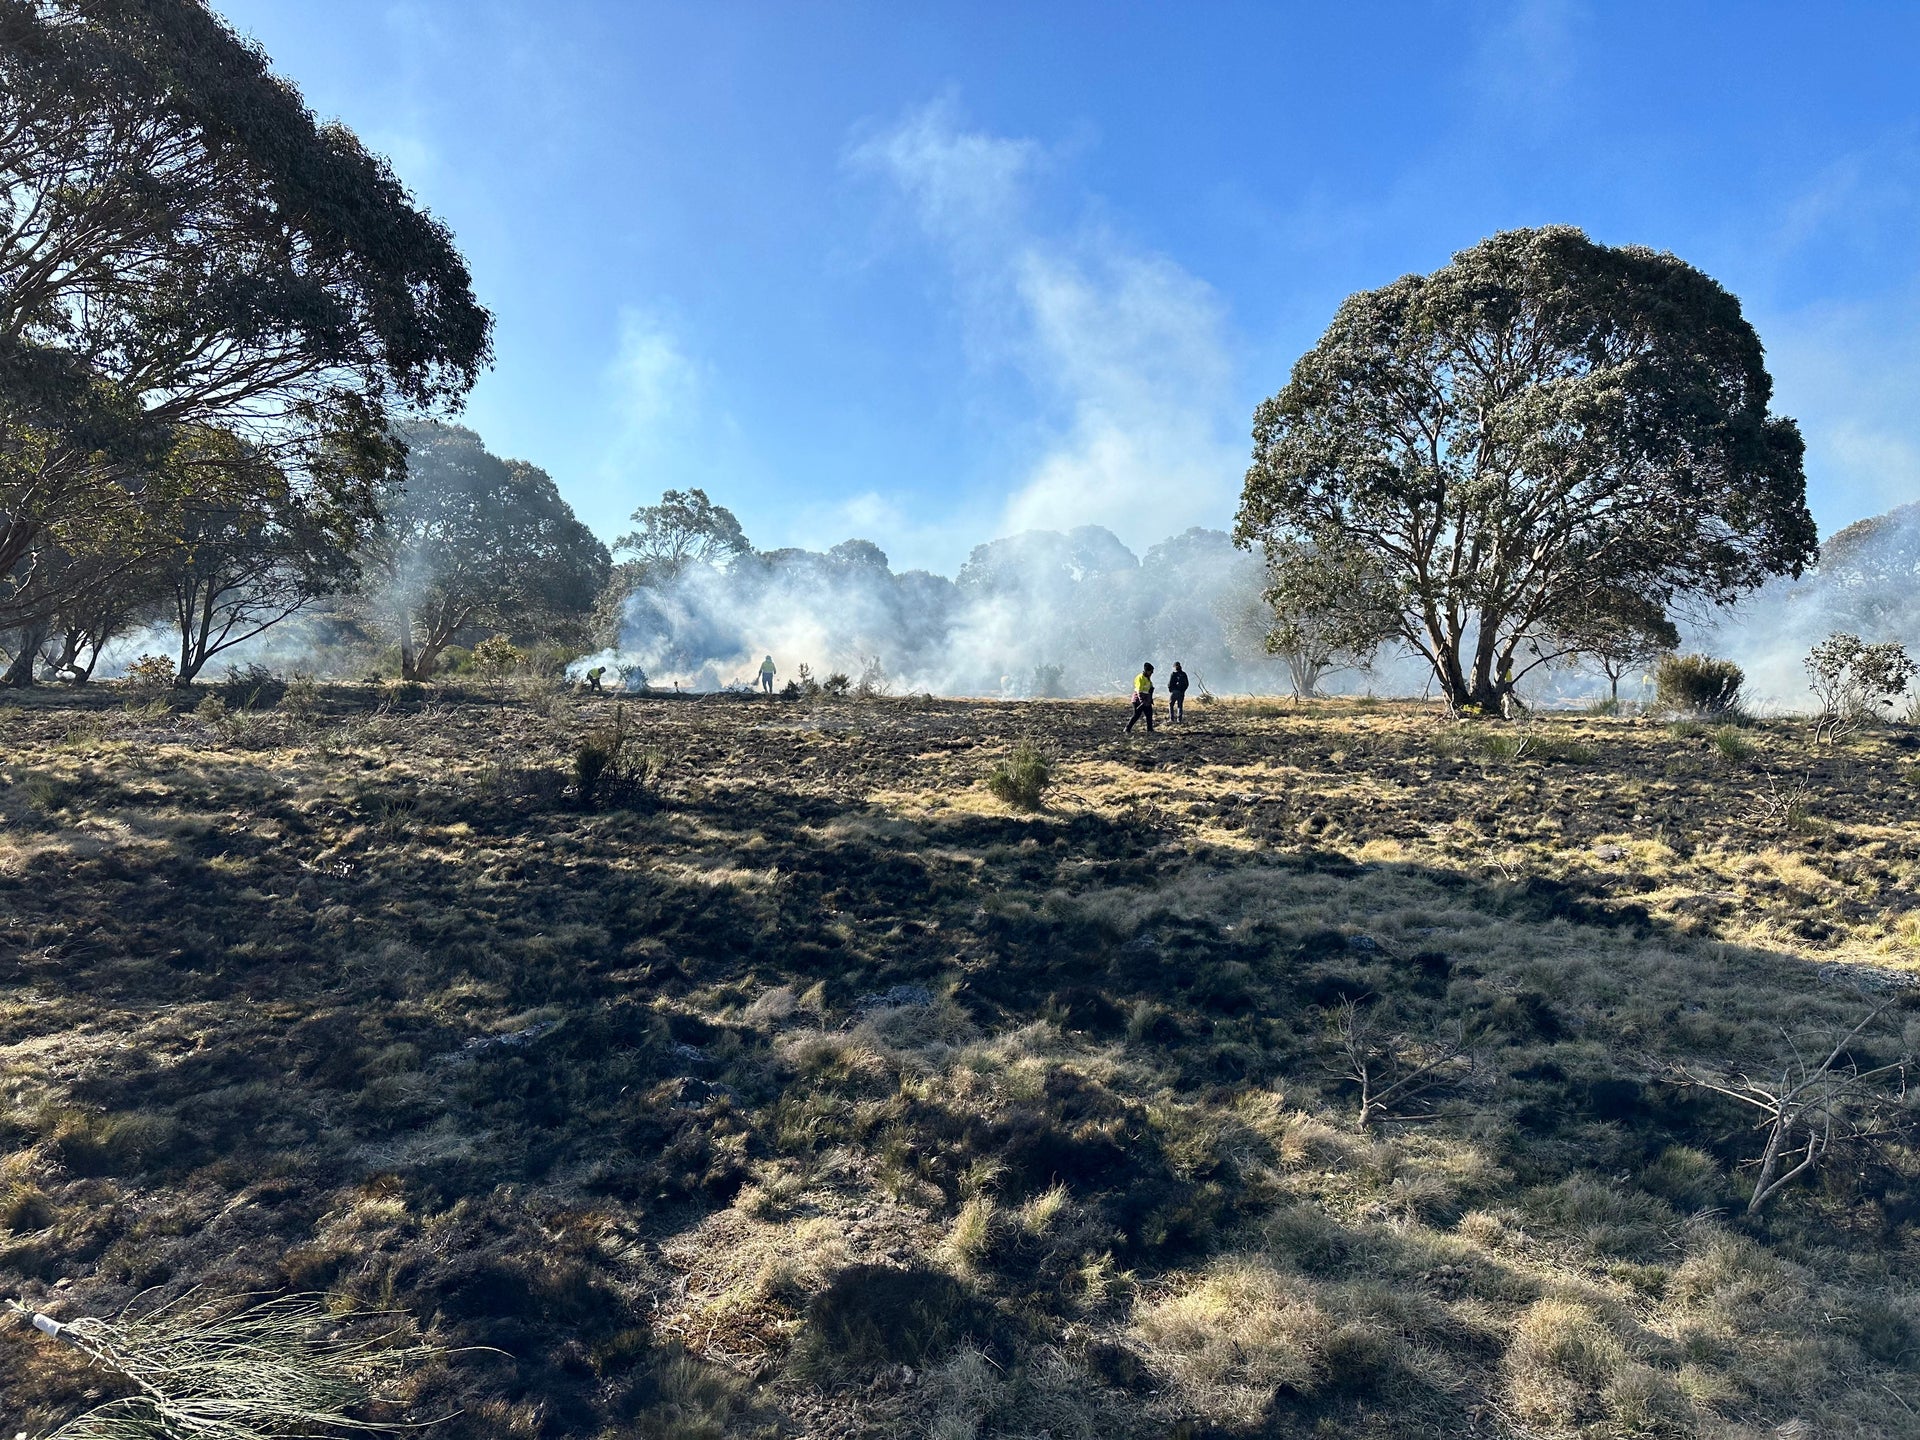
[1176, 694]
[1142, 697]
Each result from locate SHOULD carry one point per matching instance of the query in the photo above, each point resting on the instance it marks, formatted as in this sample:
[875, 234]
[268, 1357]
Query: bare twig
[1393, 1070]
[1806, 1108]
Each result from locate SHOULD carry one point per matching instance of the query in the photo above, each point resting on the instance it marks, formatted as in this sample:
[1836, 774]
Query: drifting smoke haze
[1080, 600]
[1060, 612]
[1868, 584]
[1125, 355]
[1127, 358]
[1129, 363]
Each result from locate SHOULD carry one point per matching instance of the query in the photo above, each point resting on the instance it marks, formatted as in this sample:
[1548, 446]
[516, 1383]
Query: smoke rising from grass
[1127, 355]
[1044, 612]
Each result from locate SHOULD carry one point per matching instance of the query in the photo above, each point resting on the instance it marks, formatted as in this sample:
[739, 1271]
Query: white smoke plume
[1043, 612]
[1127, 354]
[1867, 584]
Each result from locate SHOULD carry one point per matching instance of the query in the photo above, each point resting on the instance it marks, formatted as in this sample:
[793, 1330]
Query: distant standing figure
[1142, 697]
[766, 674]
[1177, 695]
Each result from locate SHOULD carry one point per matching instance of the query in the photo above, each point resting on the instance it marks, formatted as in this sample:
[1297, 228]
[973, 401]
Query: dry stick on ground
[222, 1370]
[1392, 1070]
[1785, 807]
[1805, 1108]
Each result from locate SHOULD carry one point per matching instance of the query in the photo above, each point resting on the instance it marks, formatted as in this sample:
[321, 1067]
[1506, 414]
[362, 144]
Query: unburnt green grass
[815, 1091]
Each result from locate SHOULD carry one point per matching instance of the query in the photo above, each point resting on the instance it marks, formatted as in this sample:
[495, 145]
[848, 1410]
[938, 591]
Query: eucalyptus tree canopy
[1331, 610]
[1870, 574]
[471, 539]
[1539, 423]
[245, 549]
[182, 245]
[684, 528]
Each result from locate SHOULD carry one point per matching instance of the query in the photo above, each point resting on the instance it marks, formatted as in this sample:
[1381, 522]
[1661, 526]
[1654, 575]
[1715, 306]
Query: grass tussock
[1233, 1338]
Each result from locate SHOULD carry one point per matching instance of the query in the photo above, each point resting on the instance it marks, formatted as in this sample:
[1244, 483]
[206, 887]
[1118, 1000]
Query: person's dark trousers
[766, 682]
[1176, 707]
[1141, 706]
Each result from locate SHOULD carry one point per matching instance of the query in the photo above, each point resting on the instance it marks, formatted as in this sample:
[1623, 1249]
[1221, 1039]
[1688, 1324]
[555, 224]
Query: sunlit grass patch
[1231, 1337]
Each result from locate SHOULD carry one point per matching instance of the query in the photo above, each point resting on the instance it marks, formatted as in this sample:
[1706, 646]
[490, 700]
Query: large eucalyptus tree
[1529, 432]
[183, 247]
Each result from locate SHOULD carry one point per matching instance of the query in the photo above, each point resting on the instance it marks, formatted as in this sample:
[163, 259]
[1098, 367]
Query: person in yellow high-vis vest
[1142, 697]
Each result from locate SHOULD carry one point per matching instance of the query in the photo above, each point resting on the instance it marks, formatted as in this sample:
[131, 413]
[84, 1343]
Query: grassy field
[797, 1085]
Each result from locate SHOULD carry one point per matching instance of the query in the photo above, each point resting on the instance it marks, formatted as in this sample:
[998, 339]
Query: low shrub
[609, 772]
[301, 700]
[1699, 684]
[1854, 682]
[497, 655]
[251, 687]
[836, 684]
[1022, 779]
[1049, 682]
[874, 683]
[151, 672]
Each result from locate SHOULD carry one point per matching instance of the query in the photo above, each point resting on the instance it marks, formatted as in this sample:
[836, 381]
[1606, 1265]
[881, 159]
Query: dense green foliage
[1021, 780]
[1698, 683]
[185, 249]
[1542, 422]
[471, 539]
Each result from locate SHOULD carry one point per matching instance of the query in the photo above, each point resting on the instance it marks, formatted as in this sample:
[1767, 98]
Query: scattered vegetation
[252, 687]
[151, 673]
[1393, 1074]
[1731, 743]
[1808, 1108]
[497, 656]
[610, 771]
[1854, 683]
[873, 683]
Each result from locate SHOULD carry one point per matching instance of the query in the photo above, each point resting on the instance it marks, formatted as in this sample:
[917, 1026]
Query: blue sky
[929, 273]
